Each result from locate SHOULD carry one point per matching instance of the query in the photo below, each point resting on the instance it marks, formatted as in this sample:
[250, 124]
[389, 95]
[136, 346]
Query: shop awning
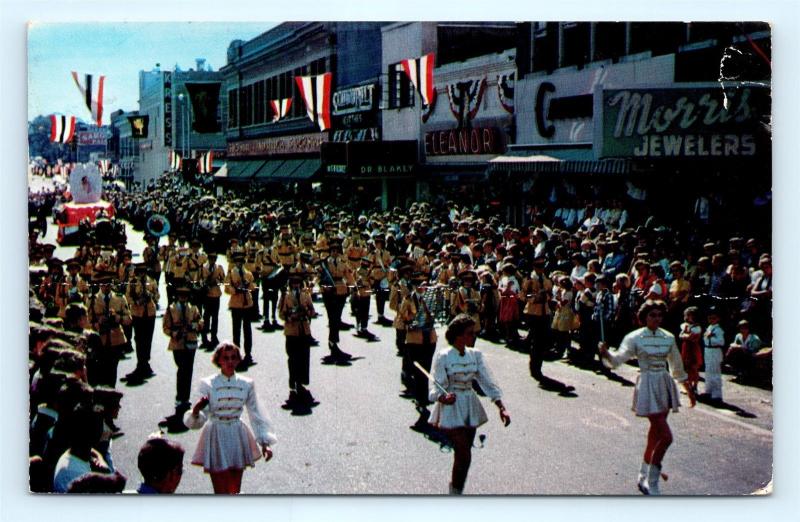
[544, 164]
[243, 170]
[287, 170]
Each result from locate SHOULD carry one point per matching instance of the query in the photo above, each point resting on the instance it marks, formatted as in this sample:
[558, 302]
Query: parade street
[358, 440]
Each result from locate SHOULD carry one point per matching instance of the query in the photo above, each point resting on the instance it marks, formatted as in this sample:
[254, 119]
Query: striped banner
[205, 162]
[280, 108]
[62, 128]
[174, 161]
[104, 165]
[420, 72]
[92, 91]
[316, 92]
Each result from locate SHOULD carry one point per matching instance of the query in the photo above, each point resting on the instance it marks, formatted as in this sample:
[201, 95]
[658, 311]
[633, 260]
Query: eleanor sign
[486, 140]
[683, 122]
[299, 144]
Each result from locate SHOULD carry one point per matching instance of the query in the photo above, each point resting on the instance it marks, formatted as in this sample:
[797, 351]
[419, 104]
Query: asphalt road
[358, 441]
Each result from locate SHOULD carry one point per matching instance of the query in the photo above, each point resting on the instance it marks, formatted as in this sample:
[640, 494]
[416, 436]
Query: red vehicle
[70, 218]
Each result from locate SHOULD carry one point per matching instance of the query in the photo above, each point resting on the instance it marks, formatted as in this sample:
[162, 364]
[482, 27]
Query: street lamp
[183, 102]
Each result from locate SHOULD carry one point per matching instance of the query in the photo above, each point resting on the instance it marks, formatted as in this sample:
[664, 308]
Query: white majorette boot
[454, 490]
[653, 476]
[641, 482]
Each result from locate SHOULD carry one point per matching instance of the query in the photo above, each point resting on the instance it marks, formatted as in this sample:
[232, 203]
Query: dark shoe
[337, 353]
[117, 434]
[313, 342]
[345, 326]
[245, 363]
[276, 324]
[267, 327]
[305, 397]
[291, 402]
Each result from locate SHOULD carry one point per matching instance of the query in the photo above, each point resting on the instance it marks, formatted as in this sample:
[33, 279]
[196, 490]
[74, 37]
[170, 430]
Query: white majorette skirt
[226, 445]
[655, 392]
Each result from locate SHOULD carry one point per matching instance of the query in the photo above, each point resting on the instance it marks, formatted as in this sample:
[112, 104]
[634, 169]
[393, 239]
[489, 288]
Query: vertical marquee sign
[167, 109]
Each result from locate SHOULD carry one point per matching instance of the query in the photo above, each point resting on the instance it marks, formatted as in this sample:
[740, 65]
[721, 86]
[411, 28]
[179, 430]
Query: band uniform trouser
[240, 317]
[381, 296]
[210, 316]
[143, 328]
[170, 289]
[270, 298]
[184, 360]
[362, 311]
[422, 354]
[103, 368]
[540, 341]
[254, 309]
[298, 353]
[334, 305]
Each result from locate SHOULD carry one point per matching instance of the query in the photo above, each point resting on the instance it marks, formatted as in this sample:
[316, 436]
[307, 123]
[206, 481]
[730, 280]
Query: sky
[118, 51]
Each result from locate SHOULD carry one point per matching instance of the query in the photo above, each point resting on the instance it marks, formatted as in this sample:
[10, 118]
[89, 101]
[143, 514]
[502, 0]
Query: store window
[246, 116]
[545, 46]
[260, 101]
[233, 108]
[657, 37]
[577, 46]
[609, 41]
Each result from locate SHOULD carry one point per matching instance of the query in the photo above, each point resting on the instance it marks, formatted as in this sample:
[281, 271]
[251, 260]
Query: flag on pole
[205, 162]
[174, 160]
[420, 72]
[316, 92]
[104, 165]
[280, 108]
[62, 128]
[92, 91]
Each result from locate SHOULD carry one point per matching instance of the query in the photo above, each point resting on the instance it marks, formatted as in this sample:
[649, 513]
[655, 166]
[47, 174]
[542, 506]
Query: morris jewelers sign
[683, 122]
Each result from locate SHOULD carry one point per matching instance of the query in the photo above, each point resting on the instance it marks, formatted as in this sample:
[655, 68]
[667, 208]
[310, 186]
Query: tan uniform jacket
[212, 279]
[296, 316]
[341, 273]
[142, 296]
[537, 295]
[108, 321]
[381, 261]
[181, 324]
[239, 284]
[407, 313]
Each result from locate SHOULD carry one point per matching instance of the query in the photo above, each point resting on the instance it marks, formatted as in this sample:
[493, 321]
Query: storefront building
[176, 123]
[606, 112]
[470, 118]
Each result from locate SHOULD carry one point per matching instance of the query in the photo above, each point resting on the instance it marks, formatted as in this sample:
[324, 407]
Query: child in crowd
[691, 333]
[714, 342]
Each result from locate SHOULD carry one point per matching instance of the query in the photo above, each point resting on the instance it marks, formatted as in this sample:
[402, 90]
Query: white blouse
[455, 373]
[227, 398]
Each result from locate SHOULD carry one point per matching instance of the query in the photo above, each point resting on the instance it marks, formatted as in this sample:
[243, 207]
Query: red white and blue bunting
[316, 93]
[420, 72]
[280, 108]
[92, 90]
[62, 128]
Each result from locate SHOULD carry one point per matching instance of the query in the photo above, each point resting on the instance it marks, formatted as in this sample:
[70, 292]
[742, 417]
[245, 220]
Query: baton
[429, 376]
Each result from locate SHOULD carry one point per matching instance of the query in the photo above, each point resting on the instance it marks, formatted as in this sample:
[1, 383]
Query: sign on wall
[167, 108]
[298, 144]
[682, 122]
[451, 142]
